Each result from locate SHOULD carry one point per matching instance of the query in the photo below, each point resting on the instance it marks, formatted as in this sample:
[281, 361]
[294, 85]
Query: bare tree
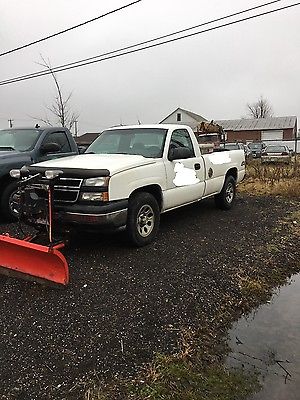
[260, 109]
[60, 108]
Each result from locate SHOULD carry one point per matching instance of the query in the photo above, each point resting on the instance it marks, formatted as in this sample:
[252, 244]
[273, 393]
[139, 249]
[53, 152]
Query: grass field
[272, 179]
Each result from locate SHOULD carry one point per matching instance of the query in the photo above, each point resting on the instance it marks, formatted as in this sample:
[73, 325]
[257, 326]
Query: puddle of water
[268, 340]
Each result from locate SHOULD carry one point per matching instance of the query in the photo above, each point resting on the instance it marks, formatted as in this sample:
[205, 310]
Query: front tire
[143, 219]
[225, 198]
[8, 206]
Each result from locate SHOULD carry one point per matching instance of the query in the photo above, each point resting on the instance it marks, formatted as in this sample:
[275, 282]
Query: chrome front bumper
[113, 219]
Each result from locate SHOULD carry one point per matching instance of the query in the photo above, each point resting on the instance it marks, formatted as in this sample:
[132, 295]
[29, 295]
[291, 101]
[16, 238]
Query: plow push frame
[26, 258]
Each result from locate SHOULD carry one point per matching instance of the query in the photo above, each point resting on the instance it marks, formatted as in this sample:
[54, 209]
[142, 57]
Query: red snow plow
[33, 258]
[31, 261]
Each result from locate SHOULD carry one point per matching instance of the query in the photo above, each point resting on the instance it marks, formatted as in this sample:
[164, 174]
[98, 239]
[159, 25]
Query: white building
[184, 117]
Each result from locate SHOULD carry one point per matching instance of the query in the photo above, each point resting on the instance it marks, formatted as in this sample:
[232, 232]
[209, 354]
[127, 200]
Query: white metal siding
[185, 119]
[272, 135]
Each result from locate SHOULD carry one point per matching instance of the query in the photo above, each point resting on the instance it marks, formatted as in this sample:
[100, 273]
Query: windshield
[146, 142]
[255, 146]
[18, 139]
[276, 149]
[210, 138]
[232, 146]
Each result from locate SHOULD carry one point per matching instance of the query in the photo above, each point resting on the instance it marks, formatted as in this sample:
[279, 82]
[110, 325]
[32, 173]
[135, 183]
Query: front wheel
[224, 199]
[9, 206]
[143, 219]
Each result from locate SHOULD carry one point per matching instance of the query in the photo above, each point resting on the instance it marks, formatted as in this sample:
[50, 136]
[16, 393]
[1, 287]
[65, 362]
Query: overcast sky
[215, 74]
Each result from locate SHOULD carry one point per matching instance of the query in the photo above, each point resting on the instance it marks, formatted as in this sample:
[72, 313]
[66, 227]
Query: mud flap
[31, 261]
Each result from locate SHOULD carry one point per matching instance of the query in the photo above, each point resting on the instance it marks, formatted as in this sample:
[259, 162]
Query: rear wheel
[143, 219]
[9, 203]
[225, 198]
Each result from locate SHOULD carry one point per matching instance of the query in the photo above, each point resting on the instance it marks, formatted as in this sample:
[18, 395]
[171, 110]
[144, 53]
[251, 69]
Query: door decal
[222, 157]
[184, 176]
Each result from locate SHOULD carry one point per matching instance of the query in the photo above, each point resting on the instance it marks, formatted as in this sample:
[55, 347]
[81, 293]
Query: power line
[81, 63]
[68, 29]
[145, 42]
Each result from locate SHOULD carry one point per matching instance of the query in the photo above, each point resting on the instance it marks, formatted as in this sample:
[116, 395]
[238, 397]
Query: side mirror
[50, 148]
[179, 153]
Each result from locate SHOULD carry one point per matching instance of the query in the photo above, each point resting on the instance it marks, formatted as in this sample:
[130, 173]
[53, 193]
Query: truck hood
[114, 163]
[8, 154]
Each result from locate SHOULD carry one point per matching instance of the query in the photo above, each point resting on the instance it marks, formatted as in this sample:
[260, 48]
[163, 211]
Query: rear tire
[7, 205]
[225, 198]
[143, 219]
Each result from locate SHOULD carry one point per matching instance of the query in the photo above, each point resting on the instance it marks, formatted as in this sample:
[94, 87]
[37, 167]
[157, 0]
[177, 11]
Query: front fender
[123, 184]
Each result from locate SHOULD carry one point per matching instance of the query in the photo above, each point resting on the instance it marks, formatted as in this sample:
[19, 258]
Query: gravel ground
[124, 304]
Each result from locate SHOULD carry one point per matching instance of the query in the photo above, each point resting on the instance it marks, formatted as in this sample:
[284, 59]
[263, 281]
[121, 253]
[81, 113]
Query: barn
[261, 129]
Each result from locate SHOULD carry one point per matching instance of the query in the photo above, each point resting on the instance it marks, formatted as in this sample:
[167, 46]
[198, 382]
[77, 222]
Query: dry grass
[253, 287]
[272, 179]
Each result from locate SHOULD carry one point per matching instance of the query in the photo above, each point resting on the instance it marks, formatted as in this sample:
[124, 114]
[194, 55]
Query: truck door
[185, 177]
[60, 138]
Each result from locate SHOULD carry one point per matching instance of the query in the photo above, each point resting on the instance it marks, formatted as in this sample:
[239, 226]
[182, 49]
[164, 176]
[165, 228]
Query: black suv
[256, 149]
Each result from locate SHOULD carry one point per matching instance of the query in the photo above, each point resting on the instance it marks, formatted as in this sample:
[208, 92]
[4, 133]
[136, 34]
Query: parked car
[279, 153]
[256, 149]
[25, 146]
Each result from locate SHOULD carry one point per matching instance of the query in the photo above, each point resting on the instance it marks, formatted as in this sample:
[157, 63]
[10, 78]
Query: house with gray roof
[241, 130]
[260, 129]
[184, 117]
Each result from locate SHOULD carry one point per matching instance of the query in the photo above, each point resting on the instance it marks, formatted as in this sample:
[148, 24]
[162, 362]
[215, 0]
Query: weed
[179, 380]
[253, 287]
[276, 180]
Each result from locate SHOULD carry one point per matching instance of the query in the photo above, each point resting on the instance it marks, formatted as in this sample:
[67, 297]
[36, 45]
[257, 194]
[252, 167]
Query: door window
[59, 138]
[181, 138]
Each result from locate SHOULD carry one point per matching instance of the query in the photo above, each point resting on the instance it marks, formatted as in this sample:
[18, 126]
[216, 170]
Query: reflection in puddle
[268, 340]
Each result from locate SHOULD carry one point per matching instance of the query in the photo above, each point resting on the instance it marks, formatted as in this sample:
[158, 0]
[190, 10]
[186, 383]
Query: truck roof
[149, 126]
[28, 128]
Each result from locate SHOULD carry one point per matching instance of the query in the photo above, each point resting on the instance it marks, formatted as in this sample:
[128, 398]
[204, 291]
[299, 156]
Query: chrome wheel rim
[229, 193]
[145, 220]
[14, 204]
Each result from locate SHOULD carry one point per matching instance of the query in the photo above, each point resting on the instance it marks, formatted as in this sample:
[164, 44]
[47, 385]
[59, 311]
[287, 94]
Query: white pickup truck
[131, 174]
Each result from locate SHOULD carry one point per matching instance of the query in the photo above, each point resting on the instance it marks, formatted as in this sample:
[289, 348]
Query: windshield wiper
[6, 148]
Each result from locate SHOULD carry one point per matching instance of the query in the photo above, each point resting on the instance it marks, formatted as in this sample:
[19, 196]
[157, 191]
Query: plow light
[49, 174]
[19, 173]
[15, 173]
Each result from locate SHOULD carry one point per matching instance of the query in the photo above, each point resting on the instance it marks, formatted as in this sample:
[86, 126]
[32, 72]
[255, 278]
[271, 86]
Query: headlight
[94, 196]
[101, 181]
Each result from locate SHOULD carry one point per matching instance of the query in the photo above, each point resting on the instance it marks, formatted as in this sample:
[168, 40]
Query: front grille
[71, 183]
[65, 191]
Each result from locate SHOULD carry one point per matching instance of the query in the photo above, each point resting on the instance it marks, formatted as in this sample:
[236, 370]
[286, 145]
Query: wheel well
[232, 172]
[155, 190]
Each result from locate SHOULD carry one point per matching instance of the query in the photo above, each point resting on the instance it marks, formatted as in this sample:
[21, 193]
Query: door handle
[197, 166]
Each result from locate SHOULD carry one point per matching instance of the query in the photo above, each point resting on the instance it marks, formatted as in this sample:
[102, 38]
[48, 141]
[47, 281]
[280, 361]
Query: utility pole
[10, 123]
[296, 144]
[76, 128]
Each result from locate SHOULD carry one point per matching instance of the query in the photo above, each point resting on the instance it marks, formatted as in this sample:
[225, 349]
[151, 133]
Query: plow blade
[31, 261]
